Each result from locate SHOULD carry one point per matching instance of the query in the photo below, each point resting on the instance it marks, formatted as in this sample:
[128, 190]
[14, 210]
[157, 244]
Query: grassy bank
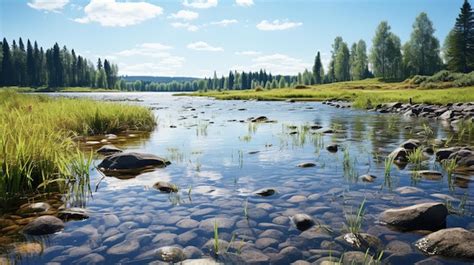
[36, 146]
[362, 93]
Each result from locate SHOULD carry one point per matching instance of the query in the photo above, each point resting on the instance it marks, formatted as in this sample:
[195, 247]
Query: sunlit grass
[363, 94]
[36, 132]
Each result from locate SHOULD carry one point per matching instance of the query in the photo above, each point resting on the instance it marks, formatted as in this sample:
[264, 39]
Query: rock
[356, 258]
[302, 221]
[259, 119]
[92, 258]
[332, 148]
[464, 159]
[410, 144]
[452, 242]
[187, 223]
[444, 153]
[399, 247]
[254, 257]
[287, 255]
[446, 115]
[204, 261]
[362, 241]
[165, 187]
[109, 149]
[265, 192]
[367, 178]
[408, 190]
[38, 207]
[223, 223]
[111, 220]
[306, 165]
[124, 248]
[399, 155]
[44, 225]
[73, 214]
[131, 161]
[316, 127]
[424, 216]
[429, 174]
[263, 243]
[170, 254]
[28, 249]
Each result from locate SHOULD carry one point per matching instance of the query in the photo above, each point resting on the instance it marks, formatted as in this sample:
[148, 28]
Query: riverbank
[37, 138]
[362, 94]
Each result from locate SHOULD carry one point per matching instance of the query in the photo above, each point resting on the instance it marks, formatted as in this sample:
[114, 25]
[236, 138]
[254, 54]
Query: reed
[37, 151]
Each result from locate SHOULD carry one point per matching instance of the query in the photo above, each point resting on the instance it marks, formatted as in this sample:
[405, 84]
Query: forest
[387, 60]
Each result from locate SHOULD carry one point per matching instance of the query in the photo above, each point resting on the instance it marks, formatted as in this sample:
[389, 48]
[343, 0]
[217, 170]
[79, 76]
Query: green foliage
[386, 57]
[37, 150]
[459, 44]
[354, 220]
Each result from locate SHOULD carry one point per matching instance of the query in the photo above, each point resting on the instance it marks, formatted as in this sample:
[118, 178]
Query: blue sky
[196, 37]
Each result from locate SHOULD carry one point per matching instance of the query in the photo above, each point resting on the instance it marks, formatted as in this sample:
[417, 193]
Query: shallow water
[219, 159]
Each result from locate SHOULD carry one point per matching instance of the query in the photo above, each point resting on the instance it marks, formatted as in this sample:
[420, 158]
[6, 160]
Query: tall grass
[36, 132]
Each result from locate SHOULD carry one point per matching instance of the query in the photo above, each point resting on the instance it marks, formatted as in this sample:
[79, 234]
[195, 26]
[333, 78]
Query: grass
[216, 238]
[415, 156]
[37, 150]
[363, 94]
[354, 222]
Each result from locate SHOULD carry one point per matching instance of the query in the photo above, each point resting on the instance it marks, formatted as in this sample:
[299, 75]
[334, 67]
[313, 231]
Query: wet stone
[92, 258]
[272, 233]
[187, 223]
[367, 178]
[429, 174]
[28, 249]
[124, 248]
[73, 214]
[43, 225]
[170, 254]
[306, 165]
[302, 221]
[223, 223]
[109, 149]
[111, 220]
[265, 192]
[38, 207]
[452, 242]
[265, 242]
[424, 216]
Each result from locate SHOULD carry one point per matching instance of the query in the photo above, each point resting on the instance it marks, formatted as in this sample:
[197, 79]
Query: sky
[197, 37]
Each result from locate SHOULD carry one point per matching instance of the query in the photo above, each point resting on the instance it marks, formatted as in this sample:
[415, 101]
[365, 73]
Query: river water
[219, 158]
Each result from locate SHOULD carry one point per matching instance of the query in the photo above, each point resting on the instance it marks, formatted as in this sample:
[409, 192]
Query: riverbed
[219, 159]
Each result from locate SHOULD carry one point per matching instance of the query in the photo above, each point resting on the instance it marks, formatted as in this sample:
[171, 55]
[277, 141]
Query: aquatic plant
[189, 192]
[449, 165]
[415, 156]
[354, 221]
[216, 238]
[348, 166]
[388, 165]
[427, 131]
[246, 206]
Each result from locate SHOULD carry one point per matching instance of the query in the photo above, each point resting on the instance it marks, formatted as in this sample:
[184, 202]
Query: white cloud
[245, 3]
[110, 13]
[48, 5]
[276, 64]
[187, 26]
[200, 3]
[154, 49]
[225, 22]
[277, 25]
[203, 46]
[248, 53]
[185, 15]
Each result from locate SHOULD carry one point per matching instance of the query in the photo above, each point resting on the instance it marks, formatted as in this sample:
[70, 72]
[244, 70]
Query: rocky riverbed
[236, 182]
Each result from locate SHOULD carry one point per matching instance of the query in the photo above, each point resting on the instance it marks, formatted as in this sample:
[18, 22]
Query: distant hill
[158, 79]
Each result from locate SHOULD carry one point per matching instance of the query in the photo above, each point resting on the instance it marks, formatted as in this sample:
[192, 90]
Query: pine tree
[341, 63]
[460, 42]
[30, 64]
[318, 69]
[7, 66]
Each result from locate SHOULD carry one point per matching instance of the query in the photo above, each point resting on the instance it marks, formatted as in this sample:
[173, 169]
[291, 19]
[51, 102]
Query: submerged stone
[165, 187]
[302, 221]
[265, 192]
[44, 225]
[109, 149]
[306, 165]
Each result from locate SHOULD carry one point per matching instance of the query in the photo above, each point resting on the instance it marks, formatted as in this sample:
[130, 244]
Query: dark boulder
[131, 161]
[424, 216]
[452, 242]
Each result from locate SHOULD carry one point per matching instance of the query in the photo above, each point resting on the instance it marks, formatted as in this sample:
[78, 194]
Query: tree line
[56, 67]
[390, 60]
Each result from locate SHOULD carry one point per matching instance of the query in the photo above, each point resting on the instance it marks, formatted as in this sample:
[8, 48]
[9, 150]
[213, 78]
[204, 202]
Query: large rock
[410, 144]
[464, 159]
[44, 225]
[424, 216]
[444, 153]
[265, 192]
[131, 161]
[302, 221]
[38, 207]
[399, 155]
[452, 242]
